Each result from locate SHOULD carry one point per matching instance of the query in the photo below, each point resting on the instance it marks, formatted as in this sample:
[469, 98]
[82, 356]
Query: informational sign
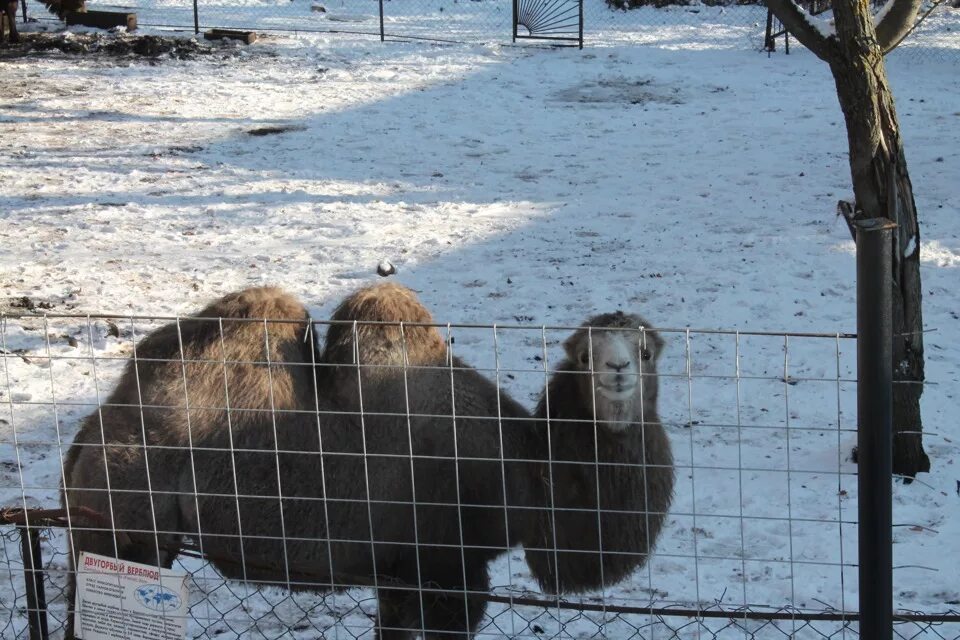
[120, 600]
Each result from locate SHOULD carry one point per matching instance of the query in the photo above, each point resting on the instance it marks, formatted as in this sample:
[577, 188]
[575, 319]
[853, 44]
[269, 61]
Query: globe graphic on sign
[158, 598]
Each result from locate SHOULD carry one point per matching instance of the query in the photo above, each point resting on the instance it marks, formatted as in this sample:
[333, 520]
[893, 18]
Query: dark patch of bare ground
[131, 47]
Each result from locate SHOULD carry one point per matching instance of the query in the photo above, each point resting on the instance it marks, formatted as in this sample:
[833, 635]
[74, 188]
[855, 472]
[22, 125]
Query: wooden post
[103, 19]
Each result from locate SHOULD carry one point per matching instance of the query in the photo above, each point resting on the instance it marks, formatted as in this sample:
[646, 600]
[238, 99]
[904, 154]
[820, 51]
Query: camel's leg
[440, 615]
[397, 614]
[454, 613]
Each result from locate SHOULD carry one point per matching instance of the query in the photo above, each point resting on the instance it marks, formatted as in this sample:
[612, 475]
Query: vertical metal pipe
[382, 34]
[33, 582]
[768, 41]
[581, 23]
[875, 425]
[196, 16]
[24, 4]
[516, 14]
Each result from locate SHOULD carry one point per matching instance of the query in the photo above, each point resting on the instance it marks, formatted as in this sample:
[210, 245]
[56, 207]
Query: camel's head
[615, 355]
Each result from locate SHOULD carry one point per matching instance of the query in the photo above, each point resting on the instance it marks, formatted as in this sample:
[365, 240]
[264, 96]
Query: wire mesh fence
[363, 487]
[224, 609]
[672, 23]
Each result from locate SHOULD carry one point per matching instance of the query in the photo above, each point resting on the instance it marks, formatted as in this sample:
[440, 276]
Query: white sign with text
[120, 600]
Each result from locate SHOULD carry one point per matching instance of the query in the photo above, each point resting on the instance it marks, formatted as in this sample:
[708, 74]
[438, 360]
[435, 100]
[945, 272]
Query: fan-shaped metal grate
[548, 20]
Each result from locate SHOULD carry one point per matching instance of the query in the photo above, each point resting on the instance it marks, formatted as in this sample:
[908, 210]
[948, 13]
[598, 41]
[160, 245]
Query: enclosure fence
[365, 488]
[670, 23]
[224, 609]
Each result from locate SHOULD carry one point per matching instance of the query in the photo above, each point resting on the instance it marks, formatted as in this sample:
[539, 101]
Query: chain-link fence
[721, 23]
[685, 484]
[222, 609]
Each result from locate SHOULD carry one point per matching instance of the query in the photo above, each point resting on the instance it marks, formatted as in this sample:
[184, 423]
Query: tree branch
[798, 22]
[894, 21]
[896, 43]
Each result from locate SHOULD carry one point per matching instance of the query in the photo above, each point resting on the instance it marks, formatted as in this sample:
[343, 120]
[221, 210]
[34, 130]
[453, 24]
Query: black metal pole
[196, 16]
[33, 582]
[24, 3]
[581, 24]
[515, 15]
[875, 425]
[382, 34]
[768, 42]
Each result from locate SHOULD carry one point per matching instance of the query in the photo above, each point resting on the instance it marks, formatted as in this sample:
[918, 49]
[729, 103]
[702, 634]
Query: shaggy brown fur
[293, 486]
[396, 332]
[383, 344]
[173, 395]
[620, 445]
[290, 485]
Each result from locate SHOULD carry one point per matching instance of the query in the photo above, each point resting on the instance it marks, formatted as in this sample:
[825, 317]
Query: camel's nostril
[618, 366]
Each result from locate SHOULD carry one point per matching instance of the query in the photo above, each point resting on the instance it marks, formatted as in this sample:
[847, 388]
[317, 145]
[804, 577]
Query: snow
[692, 180]
[825, 26]
[882, 12]
[911, 247]
[935, 253]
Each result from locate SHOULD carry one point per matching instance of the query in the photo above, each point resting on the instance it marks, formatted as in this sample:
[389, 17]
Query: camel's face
[617, 367]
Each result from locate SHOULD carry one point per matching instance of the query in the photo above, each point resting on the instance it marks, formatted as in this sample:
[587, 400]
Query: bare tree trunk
[882, 188]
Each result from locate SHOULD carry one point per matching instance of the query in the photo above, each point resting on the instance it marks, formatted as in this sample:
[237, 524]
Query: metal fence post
[33, 582]
[382, 33]
[769, 42]
[875, 426]
[196, 16]
[580, 30]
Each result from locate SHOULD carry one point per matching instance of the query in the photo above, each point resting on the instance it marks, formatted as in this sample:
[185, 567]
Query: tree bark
[881, 184]
[896, 24]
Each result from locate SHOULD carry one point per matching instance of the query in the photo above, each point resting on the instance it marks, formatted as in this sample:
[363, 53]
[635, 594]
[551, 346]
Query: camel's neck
[616, 417]
[619, 424]
[625, 416]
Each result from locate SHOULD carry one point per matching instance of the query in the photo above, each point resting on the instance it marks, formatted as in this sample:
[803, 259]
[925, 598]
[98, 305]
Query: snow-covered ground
[692, 179]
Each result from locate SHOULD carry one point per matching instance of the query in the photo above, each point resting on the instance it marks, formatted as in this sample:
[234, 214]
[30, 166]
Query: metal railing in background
[724, 23]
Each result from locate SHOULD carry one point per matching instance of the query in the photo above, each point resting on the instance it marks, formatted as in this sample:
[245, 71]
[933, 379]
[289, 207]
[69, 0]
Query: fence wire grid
[668, 23]
[759, 541]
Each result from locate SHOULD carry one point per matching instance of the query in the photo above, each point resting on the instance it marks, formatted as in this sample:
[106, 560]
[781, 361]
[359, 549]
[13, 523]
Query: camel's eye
[645, 354]
[584, 357]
